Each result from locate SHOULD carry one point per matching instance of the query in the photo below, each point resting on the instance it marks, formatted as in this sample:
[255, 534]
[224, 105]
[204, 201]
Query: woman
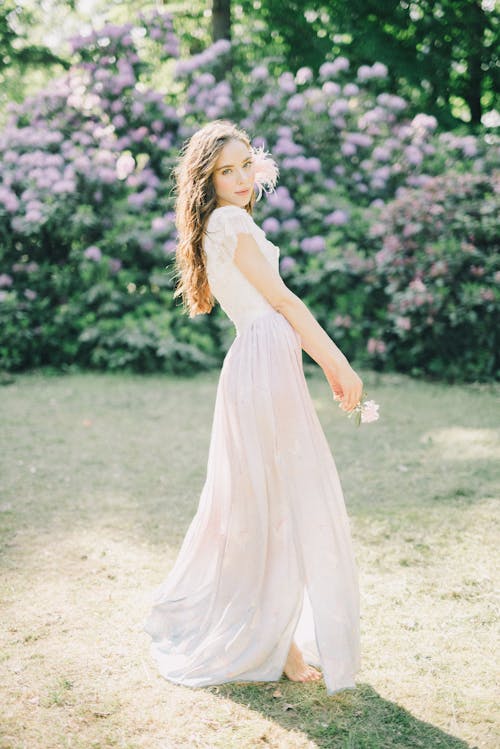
[265, 582]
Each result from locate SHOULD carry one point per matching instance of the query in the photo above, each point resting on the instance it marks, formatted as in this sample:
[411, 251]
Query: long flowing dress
[268, 556]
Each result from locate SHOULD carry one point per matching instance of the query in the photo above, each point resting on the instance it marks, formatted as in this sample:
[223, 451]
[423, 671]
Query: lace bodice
[239, 299]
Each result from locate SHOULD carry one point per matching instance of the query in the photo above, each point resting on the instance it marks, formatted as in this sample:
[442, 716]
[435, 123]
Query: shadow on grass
[351, 719]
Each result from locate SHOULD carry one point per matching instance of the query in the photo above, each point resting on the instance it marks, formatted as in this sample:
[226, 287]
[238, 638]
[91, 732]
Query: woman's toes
[314, 675]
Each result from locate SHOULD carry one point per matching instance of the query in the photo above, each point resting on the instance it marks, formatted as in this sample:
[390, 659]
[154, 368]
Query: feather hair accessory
[266, 171]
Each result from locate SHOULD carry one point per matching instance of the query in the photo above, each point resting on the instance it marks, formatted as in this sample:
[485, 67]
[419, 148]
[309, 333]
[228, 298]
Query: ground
[99, 478]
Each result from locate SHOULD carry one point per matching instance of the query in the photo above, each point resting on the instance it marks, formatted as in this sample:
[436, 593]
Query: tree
[442, 54]
[18, 53]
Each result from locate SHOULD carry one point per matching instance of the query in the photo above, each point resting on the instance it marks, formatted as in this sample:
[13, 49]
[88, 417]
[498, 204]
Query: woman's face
[233, 174]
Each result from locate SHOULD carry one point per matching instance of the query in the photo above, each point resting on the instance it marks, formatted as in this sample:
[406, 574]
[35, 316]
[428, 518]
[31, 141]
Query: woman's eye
[225, 171]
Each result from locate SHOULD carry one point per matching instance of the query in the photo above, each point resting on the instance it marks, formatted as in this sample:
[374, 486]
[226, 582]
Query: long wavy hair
[195, 200]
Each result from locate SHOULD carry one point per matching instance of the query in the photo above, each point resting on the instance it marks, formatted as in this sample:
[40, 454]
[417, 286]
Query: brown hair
[195, 201]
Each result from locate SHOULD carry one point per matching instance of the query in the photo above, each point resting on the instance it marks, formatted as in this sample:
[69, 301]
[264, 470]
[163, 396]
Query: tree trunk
[474, 59]
[221, 19]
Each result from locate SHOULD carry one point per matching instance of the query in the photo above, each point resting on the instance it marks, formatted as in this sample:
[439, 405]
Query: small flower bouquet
[365, 411]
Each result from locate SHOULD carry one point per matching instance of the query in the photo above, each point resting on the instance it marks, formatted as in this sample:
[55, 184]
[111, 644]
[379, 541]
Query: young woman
[265, 582]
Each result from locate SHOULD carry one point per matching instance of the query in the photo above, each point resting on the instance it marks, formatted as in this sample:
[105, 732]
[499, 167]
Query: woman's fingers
[347, 388]
[352, 397]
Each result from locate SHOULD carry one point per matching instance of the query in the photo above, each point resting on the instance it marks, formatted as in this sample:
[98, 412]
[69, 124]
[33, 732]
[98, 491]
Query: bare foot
[297, 669]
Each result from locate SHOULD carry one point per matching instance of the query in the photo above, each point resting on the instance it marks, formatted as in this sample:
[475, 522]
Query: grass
[99, 478]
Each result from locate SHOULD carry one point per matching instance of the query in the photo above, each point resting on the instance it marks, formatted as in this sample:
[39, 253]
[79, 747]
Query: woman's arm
[314, 340]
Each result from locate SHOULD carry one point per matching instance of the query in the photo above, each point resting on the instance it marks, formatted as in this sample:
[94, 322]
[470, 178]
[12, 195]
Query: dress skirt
[268, 556]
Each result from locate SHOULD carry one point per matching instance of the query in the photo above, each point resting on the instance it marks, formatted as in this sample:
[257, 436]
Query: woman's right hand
[346, 385]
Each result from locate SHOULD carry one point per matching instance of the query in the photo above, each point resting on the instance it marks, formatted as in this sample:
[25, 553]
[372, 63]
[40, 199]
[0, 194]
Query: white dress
[268, 556]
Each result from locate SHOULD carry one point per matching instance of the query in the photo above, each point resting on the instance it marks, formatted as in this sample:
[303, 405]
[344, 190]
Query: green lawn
[99, 478]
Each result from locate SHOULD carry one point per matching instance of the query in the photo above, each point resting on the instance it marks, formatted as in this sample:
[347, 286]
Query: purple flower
[64, 185]
[93, 253]
[304, 75]
[379, 70]
[287, 83]
[5, 279]
[139, 134]
[281, 199]
[410, 229]
[413, 155]
[169, 247]
[160, 224]
[337, 218]
[287, 263]
[259, 73]
[330, 88]
[290, 224]
[271, 225]
[296, 103]
[381, 153]
[348, 149]
[339, 106]
[424, 122]
[114, 264]
[313, 244]
[330, 69]
[286, 147]
[119, 121]
[146, 243]
[30, 294]
[139, 199]
[391, 101]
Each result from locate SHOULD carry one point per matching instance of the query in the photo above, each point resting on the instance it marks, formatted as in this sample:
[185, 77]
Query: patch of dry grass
[100, 476]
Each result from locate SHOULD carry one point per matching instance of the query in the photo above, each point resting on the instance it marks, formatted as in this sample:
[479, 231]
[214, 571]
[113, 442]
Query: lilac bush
[84, 217]
[427, 297]
[86, 209]
[439, 264]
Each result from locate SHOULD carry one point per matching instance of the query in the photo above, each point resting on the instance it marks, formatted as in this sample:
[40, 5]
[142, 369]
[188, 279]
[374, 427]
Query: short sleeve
[224, 226]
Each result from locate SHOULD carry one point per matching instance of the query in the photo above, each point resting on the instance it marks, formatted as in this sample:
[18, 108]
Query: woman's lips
[242, 192]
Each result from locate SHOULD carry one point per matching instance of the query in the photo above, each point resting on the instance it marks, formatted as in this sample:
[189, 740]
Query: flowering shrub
[439, 267]
[87, 230]
[84, 173]
[426, 298]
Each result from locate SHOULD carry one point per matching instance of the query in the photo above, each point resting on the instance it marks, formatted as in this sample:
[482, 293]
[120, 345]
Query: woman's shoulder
[228, 213]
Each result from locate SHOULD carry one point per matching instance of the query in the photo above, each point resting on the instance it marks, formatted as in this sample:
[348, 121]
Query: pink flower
[266, 171]
[403, 322]
[487, 295]
[369, 411]
[376, 346]
[93, 253]
[417, 284]
[342, 321]
[364, 412]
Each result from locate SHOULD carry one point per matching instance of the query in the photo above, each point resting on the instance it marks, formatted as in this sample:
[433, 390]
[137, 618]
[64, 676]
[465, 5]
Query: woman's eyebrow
[226, 165]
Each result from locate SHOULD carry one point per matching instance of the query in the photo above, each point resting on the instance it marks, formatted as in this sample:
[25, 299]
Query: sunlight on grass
[461, 443]
[100, 478]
